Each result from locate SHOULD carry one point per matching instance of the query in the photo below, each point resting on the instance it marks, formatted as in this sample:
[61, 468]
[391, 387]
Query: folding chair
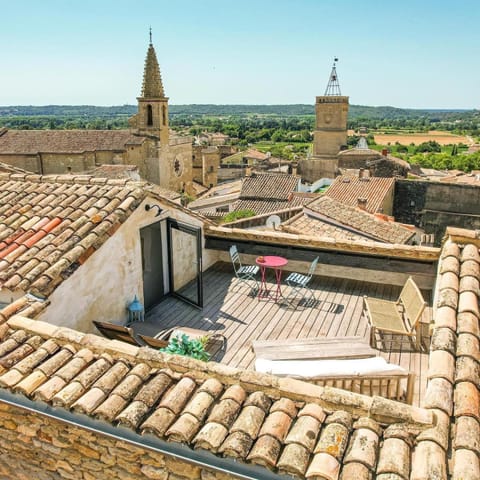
[244, 273]
[299, 283]
[116, 332]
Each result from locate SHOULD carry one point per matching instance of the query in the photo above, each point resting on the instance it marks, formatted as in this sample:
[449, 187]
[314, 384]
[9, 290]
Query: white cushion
[329, 368]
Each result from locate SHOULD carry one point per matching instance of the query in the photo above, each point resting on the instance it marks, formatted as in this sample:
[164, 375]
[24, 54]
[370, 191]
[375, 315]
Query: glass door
[185, 261]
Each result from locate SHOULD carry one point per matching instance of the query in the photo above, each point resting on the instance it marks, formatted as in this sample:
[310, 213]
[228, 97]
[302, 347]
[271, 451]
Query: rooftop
[285, 425]
[269, 187]
[348, 189]
[231, 310]
[327, 217]
[50, 225]
[32, 142]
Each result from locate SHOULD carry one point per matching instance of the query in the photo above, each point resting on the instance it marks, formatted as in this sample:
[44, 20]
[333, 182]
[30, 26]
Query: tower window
[149, 115]
[164, 115]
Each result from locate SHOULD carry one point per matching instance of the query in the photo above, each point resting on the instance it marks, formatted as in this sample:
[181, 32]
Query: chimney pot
[384, 152]
[362, 203]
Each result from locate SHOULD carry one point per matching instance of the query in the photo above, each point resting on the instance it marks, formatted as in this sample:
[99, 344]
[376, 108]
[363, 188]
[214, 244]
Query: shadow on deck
[232, 310]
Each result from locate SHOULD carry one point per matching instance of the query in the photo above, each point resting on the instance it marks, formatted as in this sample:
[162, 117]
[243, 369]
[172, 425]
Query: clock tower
[330, 135]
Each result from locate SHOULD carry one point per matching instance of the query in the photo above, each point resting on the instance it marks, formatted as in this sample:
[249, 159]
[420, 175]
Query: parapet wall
[434, 206]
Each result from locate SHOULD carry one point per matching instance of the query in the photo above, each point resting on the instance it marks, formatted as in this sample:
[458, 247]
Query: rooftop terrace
[232, 310]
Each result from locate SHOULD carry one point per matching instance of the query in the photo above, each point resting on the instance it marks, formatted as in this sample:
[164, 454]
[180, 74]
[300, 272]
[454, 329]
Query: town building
[379, 164]
[76, 404]
[88, 245]
[373, 194]
[326, 217]
[161, 158]
[330, 135]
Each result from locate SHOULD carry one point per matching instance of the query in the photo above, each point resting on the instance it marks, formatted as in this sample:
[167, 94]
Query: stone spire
[152, 86]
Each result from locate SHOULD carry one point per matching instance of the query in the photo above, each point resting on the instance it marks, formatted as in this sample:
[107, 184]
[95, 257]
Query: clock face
[178, 166]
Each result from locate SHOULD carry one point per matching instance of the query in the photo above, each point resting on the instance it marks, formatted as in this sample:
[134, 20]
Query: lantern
[136, 312]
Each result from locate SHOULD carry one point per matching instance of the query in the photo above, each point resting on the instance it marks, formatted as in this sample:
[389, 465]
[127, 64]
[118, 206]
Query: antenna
[273, 221]
[333, 87]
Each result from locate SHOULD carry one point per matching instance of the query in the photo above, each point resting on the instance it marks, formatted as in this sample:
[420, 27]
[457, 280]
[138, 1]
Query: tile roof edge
[462, 235]
[409, 252]
[331, 399]
[394, 228]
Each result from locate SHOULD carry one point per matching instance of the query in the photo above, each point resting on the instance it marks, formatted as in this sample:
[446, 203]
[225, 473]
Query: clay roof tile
[470, 252]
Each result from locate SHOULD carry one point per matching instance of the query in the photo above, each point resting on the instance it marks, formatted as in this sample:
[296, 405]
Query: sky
[403, 53]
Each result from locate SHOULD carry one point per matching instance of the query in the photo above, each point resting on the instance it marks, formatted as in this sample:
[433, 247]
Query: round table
[275, 262]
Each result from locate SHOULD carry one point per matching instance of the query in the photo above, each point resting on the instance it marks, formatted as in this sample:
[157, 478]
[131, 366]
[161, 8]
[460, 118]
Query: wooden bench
[400, 318]
[313, 348]
[394, 386]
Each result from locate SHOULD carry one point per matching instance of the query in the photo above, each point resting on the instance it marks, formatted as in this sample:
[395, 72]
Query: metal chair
[244, 273]
[300, 282]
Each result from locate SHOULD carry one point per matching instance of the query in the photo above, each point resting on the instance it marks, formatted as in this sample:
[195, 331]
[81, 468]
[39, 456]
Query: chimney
[364, 174]
[362, 203]
[294, 169]
[384, 152]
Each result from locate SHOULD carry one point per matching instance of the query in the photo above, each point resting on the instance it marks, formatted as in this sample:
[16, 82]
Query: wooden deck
[231, 310]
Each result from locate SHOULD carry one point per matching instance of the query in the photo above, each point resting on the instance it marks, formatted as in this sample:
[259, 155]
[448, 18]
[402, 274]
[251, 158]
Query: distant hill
[355, 112]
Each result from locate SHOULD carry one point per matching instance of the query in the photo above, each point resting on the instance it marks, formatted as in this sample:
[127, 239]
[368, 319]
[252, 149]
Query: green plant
[237, 215]
[189, 347]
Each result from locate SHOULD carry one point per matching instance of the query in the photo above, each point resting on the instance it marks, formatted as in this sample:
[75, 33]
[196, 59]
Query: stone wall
[34, 446]
[434, 206]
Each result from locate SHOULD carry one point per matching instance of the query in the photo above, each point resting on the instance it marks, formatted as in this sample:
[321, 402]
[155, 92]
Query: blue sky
[420, 54]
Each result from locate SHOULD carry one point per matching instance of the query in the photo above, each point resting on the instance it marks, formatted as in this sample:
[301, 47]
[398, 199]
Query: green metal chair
[299, 283]
[244, 273]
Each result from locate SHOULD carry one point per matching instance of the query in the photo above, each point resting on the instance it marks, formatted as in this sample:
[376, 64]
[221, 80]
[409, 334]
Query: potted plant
[184, 345]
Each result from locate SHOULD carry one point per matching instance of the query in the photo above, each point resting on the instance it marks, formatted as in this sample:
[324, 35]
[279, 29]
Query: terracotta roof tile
[469, 252]
[439, 395]
[31, 142]
[467, 434]
[444, 339]
[441, 365]
[429, 462]
[51, 225]
[347, 189]
[268, 187]
[331, 212]
[188, 403]
[466, 465]
[294, 460]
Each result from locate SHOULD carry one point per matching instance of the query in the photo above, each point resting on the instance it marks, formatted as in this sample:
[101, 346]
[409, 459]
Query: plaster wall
[27, 162]
[60, 162]
[107, 282]
[315, 168]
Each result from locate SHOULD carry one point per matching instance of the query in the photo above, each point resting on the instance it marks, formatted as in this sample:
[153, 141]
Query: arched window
[164, 115]
[149, 116]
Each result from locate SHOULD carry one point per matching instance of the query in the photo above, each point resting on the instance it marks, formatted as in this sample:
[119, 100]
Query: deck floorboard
[231, 309]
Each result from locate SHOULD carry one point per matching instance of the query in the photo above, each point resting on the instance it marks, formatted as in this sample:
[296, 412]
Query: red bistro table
[270, 261]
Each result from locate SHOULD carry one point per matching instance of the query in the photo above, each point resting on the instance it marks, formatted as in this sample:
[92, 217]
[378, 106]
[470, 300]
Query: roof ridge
[80, 179]
[378, 408]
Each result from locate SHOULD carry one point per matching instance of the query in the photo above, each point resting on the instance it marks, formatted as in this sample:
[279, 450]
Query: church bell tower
[152, 116]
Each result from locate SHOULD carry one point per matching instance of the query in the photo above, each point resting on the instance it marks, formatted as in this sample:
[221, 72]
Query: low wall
[37, 447]
[434, 206]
